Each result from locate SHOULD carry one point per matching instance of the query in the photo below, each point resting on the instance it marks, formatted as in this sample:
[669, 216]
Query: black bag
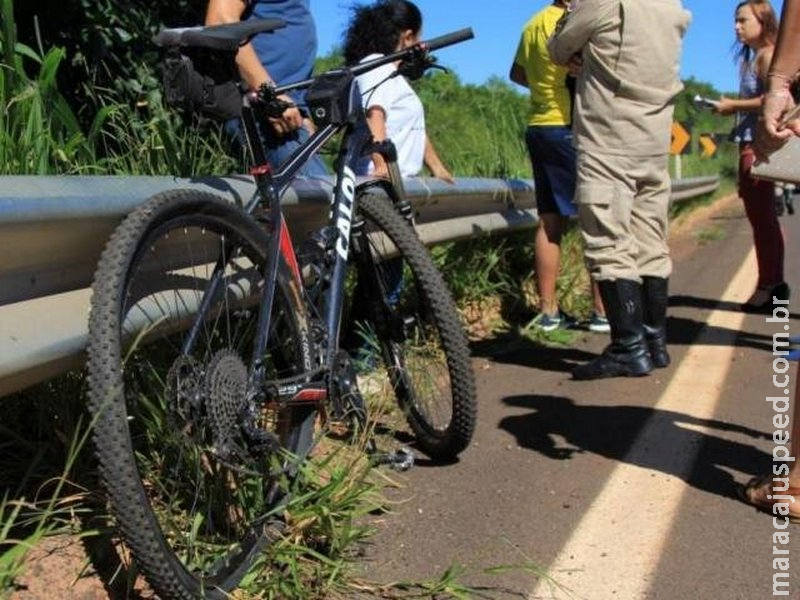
[196, 80]
[327, 100]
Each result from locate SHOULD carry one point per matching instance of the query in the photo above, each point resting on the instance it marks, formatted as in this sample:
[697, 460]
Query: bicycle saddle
[226, 37]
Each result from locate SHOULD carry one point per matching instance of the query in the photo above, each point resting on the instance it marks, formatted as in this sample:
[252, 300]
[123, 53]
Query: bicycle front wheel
[194, 460]
[403, 309]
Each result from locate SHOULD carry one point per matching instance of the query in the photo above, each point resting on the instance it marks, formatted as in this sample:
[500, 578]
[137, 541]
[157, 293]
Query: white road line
[615, 549]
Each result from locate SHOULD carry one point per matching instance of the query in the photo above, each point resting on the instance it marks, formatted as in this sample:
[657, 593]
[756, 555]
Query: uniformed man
[630, 52]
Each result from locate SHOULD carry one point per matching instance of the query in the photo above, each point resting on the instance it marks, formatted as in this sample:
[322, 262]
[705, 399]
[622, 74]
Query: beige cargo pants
[623, 210]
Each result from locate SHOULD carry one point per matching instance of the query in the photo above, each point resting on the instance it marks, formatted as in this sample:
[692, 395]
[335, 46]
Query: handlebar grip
[449, 39]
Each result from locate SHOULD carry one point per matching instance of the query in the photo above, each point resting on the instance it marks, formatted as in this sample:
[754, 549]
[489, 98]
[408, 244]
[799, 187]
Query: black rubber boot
[654, 308]
[627, 355]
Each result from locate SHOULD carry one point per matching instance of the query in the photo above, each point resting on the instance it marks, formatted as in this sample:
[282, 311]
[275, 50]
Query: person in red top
[756, 27]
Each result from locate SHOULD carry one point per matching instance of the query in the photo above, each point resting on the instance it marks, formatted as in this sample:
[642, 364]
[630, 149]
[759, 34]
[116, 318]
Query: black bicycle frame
[270, 186]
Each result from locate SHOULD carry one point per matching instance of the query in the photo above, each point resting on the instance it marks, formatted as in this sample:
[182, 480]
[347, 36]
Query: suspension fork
[395, 191]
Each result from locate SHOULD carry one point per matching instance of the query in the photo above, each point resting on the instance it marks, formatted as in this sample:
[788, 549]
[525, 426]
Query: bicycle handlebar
[456, 37]
[448, 39]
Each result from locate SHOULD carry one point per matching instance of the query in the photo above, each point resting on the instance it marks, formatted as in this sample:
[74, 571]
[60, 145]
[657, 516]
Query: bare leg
[599, 309]
[547, 251]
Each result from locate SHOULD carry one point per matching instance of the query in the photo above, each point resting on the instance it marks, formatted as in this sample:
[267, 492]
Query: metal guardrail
[52, 230]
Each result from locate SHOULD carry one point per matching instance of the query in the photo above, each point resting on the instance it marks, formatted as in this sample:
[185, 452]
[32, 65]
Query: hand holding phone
[703, 102]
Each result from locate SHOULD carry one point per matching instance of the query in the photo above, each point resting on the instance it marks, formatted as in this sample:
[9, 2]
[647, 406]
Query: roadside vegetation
[80, 95]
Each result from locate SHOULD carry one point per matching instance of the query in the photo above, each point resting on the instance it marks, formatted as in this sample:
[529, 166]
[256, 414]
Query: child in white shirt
[393, 109]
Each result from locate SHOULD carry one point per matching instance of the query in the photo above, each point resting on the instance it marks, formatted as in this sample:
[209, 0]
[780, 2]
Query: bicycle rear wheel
[403, 303]
[194, 462]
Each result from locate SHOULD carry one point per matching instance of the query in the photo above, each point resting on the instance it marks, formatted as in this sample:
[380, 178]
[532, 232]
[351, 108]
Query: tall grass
[478, 130]
[146, 138]
[315, 556]
[44, 494]
[39, 132]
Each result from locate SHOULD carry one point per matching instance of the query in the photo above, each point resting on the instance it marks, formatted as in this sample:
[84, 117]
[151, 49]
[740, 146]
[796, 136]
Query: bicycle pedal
[274, 530]
[401, 459]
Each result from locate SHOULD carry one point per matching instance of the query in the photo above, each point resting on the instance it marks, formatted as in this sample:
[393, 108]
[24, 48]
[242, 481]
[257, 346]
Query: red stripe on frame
[287, 250]
[311, 395]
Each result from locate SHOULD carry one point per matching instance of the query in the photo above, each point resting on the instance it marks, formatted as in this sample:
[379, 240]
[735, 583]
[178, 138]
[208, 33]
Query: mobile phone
[703, 102]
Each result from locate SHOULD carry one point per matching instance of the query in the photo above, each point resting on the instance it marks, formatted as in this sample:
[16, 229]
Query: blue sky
[497, 23]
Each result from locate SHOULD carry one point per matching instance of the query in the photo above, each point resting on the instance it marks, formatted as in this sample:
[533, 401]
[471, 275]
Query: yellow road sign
[708, 145]
[680, 138]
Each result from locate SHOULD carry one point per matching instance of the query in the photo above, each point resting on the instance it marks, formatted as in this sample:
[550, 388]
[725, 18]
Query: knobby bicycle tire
[417, 330]
[192, 492]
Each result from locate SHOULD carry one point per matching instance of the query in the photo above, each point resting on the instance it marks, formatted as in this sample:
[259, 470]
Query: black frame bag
[200, 81]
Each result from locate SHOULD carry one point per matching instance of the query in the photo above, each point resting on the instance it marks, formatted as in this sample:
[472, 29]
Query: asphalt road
[617, 489]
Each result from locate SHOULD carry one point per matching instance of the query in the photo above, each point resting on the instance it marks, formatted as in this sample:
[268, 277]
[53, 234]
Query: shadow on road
[522, 351]
[685, 332]
[559, 429]
[710, 304]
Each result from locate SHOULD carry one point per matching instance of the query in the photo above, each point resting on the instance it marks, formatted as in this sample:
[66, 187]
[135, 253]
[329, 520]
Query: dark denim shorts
[554, 168]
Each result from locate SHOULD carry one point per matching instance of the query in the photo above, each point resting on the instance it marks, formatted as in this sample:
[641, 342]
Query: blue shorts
[554, 168]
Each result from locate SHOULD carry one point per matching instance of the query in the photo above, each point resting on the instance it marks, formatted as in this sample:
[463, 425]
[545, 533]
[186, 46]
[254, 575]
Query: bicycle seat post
[258, 154]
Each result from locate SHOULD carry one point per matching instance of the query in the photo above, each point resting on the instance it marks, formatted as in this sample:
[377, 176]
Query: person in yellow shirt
[549, 140]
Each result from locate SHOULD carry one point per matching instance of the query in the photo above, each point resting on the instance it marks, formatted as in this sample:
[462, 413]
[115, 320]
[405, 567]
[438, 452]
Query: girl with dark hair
[393, 109]
[756, 27]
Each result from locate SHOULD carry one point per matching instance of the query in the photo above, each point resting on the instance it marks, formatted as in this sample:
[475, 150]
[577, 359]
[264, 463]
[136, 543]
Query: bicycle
[213, 349]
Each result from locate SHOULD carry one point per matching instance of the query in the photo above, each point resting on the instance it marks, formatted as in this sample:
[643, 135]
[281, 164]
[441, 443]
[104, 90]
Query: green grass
[315, 557]
[493, 278]
[710, 234]
[39, 133]
[45, 481]
[42, 495]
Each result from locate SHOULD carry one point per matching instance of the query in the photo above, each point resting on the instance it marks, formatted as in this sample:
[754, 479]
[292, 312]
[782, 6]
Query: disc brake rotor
[184, 392]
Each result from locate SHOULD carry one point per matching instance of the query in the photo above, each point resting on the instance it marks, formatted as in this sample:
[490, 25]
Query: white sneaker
[599, 323]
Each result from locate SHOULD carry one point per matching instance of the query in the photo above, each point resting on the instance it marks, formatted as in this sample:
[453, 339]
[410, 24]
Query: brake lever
[418, 62]
[438, 68]
[267, 100]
